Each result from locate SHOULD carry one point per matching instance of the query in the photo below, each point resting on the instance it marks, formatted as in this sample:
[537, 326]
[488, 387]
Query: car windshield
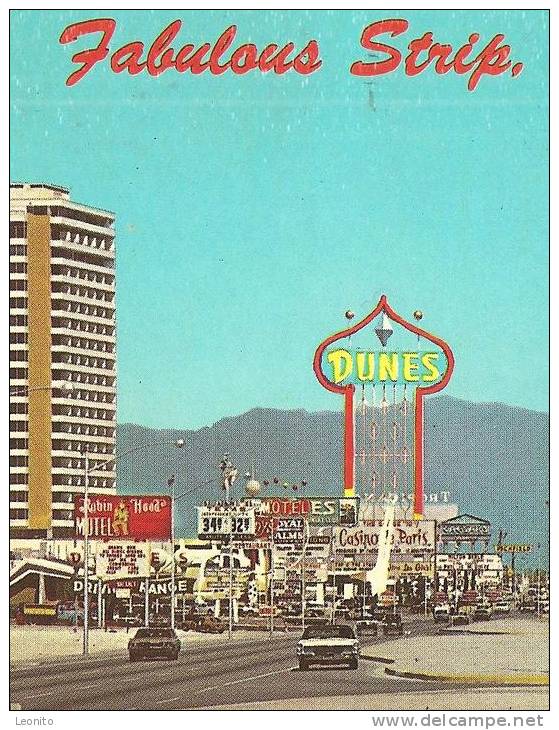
[328, 632]
[157, 633]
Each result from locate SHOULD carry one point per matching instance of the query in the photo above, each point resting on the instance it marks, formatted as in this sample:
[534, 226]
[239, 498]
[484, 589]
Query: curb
[381, 659]
[519, 680]
[473, 632]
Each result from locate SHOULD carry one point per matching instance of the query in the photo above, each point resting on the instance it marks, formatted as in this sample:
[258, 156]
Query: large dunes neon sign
[425, 367]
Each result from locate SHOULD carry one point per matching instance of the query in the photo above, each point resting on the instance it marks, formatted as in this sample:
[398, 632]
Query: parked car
[343, 608]
[328, 644]
[392, 624]
[483, 611]
[211, 625]
[441, 613]
[460, 619]
[154, 642]
[315, 610]
[501, 607]
[369, 622]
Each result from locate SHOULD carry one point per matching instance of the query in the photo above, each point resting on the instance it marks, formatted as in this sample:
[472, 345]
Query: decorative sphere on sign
[252, 487]
[349, 314]
[418, 314]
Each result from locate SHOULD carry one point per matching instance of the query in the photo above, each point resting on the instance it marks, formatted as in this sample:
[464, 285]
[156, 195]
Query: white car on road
[328, 644]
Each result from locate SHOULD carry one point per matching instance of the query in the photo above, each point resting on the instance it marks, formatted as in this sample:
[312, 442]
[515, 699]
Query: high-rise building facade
[62, 357]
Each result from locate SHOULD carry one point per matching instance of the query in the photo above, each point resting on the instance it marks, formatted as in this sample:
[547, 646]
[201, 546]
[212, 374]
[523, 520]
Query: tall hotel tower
[62, 356]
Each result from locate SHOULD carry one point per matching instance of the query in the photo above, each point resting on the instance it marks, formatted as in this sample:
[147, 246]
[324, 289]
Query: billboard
[289, 530]
[410, 536]
[465, 528]
[217, 522]
[316, 510]
[264, 528]
[116, 560]
[515, 548]
[113, 517]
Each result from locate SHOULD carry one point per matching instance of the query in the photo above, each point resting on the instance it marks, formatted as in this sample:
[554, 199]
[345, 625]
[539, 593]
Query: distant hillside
[491, 457]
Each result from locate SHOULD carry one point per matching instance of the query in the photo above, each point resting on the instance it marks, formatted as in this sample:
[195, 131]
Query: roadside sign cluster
[276, 520]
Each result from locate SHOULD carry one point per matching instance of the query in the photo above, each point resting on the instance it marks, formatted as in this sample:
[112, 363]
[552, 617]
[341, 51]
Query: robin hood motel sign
[339, 367]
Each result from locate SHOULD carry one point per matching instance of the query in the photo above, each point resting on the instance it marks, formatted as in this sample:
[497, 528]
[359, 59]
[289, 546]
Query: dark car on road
[392, 624]
[369, 621]
[154, 642]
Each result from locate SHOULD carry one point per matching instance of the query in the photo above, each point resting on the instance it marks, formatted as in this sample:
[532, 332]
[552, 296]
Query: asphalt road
[219, 674]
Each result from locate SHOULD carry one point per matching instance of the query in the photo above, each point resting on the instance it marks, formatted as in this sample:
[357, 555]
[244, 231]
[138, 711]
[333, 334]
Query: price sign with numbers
[216, 523]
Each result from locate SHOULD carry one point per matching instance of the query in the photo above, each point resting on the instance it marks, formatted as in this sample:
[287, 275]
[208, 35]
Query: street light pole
[179, 443]
[64, 386]
[173, 554]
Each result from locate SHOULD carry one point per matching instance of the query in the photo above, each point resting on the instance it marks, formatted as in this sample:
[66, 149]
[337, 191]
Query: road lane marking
[44, 694]
[53, 691]
[162, 702]
[245, 679]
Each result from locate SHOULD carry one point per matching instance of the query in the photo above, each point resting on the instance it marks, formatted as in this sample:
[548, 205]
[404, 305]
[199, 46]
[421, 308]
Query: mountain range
[492, 458]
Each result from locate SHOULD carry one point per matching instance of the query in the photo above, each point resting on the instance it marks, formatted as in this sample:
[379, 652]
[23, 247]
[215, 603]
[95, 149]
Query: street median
[519, 680]
[515, 655]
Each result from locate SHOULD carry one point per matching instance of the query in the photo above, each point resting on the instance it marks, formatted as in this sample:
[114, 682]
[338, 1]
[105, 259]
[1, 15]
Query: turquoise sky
[253, 210]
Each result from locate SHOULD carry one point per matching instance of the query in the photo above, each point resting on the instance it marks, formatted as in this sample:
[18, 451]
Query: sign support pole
[99, 603]
[272, 591]
[304, 592]
[303, 575]
[76, 607]
[230, 587]
[146, 604]
[334, 599]
[86, 558]
[539, 582]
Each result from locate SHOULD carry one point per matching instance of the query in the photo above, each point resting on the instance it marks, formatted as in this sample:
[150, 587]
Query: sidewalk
[463, 699]
[503, 651]
[37, 644]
